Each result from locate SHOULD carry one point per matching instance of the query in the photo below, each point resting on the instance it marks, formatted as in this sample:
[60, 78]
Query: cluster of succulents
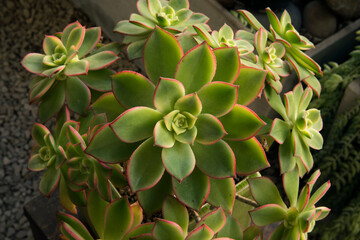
[175, 142]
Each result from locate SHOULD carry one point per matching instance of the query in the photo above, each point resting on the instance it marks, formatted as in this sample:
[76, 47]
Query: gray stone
[4, 189]
[319, 20]
[348, 9]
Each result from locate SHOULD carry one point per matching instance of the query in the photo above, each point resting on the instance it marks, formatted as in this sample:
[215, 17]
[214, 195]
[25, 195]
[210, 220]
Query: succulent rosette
[298, 131]
[188, 126]
[297, 219]
[283, 31]
[224, 38]
[71, 63]
[270, 59]
[174, 16]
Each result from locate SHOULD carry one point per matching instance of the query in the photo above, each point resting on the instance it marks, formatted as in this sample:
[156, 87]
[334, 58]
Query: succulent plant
[283, 31]
[187, 125]
[298, 131]
[174, 16]
[296, 220]
[71, 63]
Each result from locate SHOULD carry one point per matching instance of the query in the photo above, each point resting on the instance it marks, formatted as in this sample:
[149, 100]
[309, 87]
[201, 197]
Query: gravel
[24, 23]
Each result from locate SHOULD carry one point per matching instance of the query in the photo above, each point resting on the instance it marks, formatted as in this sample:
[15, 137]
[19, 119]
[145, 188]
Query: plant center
[45, 153]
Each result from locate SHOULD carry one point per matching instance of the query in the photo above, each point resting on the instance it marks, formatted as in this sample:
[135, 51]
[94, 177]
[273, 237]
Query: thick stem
[247, 201]
[197, 216]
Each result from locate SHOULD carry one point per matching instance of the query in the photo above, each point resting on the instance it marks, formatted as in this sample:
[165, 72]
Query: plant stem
[196, 215]
[247, 201]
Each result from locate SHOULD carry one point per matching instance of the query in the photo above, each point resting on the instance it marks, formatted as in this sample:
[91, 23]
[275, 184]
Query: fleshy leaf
[145, 167]
[216, 160]
[267, 214]
[96, 208]
[226, 199]
[98, 79]
[33, 62]
[36, 163]
[291, 186]
[52, 102]
[75, 224]
[49, 181]
[151, 200]
[162, 53]
[136, 124]
[167, 92]
[264, 191]
[286, 155]
[75, 38]
[101, 60]
[227, 64]
[162, 136]
[189, 103]
[106, 147]
[201, 233]
[251, 19]
[231, 229]
[196, 68]
[50, 43]
[209, 129]
[140, 230]
[193, 190]
[241, 123]
[80, 67]
[165, 229]
[179, 160]
[250, 156]
[251, 81]
[109, 105]
[77, 95]
[38, 133]
[214, 220]
[118, 219]
[279, 130]
[218, 98]
[174, 211]
[40, 88]
[91, 38]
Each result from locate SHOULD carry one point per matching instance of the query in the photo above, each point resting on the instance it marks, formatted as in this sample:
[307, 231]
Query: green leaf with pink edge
[67, 30]
[291, 106]
[77, 95]
[167, 92]
[75, 38]
[215, 220]
[196, 68]
[136, 124]
[33, 62]
[193, 190]
[241, 123]
[321, 213]
[279, 130]
[227, 64]
[164, 230]
[275, 101]
[49, 181]
[91, 38]
[114, 47]
[226, 199]
[231, 229]
[316, 141]
[253, 233]
[75, 224]
[186, 41]
[250, 156]
[137, 214]
[251, 81]
[264, 191]
[303, 198]
[35, 163]
[145, 167]
[292, 233]
[50, 72]
[108, 104]
[305, 99]
[174, 211]
[38, 133]
[162, 136]
[187, 137]
[267, 214]
[218, 98]
[52, 101]
[287, 159]
[201, 233]
[251, 19]
[117, 177]
[162, 52]
[80, 67]
[209, 129]
[190, 103]
[305, 61]
[50, 43]
[277, 234]
[178, 160]
[140, 230]
[291, 186]
[106, 147]
[274, 21]
[136, 49]
[118, 219]
[261, 38]
[151, 200]
[302, 150]
[96, 208]
[304, 219]
[133, 89]
[314, 83]
[215, 160]
[127, 28]
[154, 6]
[203, 33]
[101, 60]
[64, 197]
[179, 4]
[319, 193]
[99, 80]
